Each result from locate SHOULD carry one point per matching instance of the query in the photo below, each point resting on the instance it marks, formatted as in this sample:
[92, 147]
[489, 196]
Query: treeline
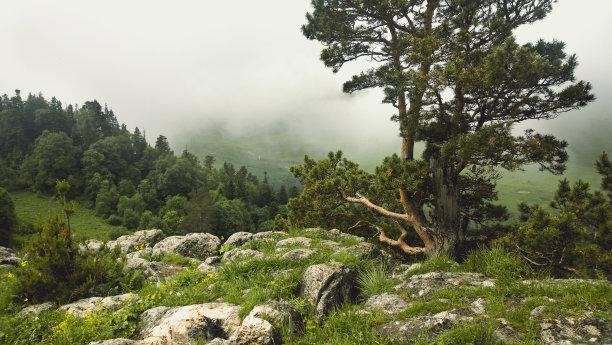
[125, 179]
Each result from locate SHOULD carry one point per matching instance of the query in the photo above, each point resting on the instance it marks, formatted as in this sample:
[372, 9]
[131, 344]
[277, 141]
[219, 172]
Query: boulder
[328, 285]
[331, 244]
[210, 265]
[478, 306]
[36, 309]
[403, 270]
[294, 241]
[91, 245]
[85, 306]
[337, 234]
[118, 341]
[221, 341]
[8, 257]
[299, 254]
[429, 325]
[576, 330]
[538, 311]
[505, 332]
[387, 303]
[238, 238]
[137, 241]
[269, 235]
[264, 323]
[196, 245]
[181, 325]
[424, 285]
[364, 251]
[151, 269]
[243, 254]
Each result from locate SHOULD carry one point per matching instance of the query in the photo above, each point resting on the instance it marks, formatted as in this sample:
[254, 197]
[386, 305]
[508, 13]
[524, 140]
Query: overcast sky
[170, 67]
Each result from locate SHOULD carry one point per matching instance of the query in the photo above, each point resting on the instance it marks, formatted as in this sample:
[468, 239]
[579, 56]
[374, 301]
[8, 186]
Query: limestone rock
[151, 269]
[238, 238]
[195, 245]
[269, 235]
[294, 241]
[429, 325]
[330, 244]
[139, 239]
[82, 307]
[479, 306]
[505, 332]
[299, 254]
[388, 303]
[210, 265]
[8, 257]
[36, 309]
[91, 245]
[243, 254]
[327, 286]
[264, 323]
[221, 341]
[364, 251]
[424, 285]
[118, 341]
[337, 234]
[572, 330]
[538, 311]
[180, 325]
[401, 271]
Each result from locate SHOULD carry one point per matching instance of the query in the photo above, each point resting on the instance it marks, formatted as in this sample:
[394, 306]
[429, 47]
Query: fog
[174, 68]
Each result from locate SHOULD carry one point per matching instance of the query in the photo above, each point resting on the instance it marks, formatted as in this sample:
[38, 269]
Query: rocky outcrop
[92, 245]
[86, 306]
[294, 241]
[118, 341]
[264, 323]
[423, 286]
[8, 257]
[151, 269]
[196, 245]
[429, 325]
[238, 238]
[210, 265]
[337, 234]
[328, 285]
[242, 254]
[137, 241]
[269, 235]
[298, 254]
[182, 325]
[387, 303]
[364, 251]
[576, 330]
[36, 309]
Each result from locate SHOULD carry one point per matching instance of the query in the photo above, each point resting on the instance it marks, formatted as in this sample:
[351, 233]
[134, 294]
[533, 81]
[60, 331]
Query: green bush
[8, 219]
[114, 220]
[497, 263]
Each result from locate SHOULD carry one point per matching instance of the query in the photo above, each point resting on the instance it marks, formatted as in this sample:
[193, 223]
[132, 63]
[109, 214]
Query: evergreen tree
[8, 219]
[459, 82]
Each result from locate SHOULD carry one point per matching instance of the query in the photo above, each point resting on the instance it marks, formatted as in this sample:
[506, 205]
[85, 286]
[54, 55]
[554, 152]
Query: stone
[576, 330]
[118, 341]
[298, 254]
[401, 271]
[8, 257]
[479, 306]
[422, 286]
[195, 245]
[136, 241]
[210, 265]
[243, 254]
[337, 234]
[85, 306]
[538, 311]
[331, 244]
[387, 303]
[36, 309]
[238, 238]
[428, 325]
[294, 241]
[90, 246]
[151, 269]
[505, 332]
[180, 325]
[328, 285]
[264, 323]
[269, 235]
[364, 251]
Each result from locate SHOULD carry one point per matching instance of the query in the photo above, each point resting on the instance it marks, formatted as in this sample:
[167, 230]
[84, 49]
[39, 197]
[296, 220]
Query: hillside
[316, 287]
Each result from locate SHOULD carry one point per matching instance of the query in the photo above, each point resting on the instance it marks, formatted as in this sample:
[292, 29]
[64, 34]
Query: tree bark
[446, 217]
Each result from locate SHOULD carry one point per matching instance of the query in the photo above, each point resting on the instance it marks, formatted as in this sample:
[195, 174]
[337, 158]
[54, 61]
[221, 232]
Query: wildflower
[136, 247]
[25, 299]
[272, 282]
[310, 300]
[10, 275]
[210, 275]
[171, 292]
[24, 263]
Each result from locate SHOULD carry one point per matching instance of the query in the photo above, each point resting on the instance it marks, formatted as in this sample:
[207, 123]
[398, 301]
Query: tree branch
[383, 238]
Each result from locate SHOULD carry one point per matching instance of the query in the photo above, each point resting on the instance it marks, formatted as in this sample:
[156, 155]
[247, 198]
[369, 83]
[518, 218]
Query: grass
[31, 207]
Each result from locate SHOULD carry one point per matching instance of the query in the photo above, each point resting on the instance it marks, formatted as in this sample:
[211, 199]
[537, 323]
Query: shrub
[497, 263]
[114, 220]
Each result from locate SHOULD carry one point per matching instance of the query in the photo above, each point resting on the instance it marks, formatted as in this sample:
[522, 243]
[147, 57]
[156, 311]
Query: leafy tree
[229, 216]
[577, 238]
[459, 82]
[54, 158]
[8, 219]
[107, 199]
[198, 212]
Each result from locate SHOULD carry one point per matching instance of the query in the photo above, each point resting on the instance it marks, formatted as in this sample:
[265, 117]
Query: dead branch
[383, 238]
